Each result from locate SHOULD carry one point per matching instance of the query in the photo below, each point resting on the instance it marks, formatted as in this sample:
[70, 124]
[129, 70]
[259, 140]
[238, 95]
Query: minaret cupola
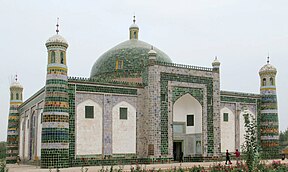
[57, 46]
[16, 90]
[216, 65]
[134, 30]
[267, 74]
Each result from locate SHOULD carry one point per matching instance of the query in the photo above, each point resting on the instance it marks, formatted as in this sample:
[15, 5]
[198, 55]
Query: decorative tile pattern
[269, 133]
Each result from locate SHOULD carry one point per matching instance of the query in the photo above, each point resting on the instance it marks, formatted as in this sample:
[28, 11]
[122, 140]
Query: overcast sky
[239, 32]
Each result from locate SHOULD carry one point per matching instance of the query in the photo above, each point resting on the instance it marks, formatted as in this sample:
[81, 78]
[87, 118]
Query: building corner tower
[55, 125]
[16, 100]
[269, 125]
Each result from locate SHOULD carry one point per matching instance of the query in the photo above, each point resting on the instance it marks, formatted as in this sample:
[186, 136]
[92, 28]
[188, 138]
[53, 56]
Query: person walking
[227, 157]
[237, 155]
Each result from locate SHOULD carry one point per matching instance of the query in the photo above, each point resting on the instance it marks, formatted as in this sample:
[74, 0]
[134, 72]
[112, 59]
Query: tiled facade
[148, 89]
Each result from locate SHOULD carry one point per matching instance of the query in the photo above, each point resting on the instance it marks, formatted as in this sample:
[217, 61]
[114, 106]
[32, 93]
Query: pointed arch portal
[187, 126]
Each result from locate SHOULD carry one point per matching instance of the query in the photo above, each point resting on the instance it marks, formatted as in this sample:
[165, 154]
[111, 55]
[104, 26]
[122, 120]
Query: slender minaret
[55, 125]
[216, 106]
[269, 125]
[16, 91]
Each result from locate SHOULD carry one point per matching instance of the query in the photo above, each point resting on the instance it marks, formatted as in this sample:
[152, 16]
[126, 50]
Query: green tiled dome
[134, 54]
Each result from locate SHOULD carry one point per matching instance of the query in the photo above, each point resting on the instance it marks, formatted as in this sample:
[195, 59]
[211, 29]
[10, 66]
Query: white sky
[240, 33]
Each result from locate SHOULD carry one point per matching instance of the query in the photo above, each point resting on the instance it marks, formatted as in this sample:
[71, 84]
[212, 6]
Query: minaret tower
[133, 30]
[16, 91]
[55, 125]
[269, 125]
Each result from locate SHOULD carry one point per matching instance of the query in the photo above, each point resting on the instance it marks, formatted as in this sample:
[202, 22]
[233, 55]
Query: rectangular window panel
[89, 111]
[190, 120]
[119, 64]
[123, 113]
[225, 117]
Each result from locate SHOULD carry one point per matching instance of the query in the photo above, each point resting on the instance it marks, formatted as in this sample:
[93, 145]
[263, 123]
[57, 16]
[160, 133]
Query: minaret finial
[268, 59]
[215, 57]
[57, 26]
[134, 20]
[16, 78]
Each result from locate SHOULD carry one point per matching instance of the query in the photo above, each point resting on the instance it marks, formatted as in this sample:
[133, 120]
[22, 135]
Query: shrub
[3, 167]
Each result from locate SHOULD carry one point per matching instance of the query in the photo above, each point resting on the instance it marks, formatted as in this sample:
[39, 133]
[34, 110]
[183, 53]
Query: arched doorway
[187, 127]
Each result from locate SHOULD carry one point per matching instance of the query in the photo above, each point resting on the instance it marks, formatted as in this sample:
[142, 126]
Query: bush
[3, 167]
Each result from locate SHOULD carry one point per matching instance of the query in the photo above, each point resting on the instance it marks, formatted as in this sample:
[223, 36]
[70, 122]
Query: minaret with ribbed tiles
[55, 125]
[269, 125]
[16, 100]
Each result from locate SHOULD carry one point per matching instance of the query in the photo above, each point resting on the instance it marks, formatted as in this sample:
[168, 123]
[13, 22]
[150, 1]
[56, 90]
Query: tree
[250, 146]
[283, 139]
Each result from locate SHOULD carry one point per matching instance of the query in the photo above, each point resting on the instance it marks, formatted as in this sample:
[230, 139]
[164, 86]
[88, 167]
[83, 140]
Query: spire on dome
[268, 68]
[57, 26]
[57, 38]
[16, 83]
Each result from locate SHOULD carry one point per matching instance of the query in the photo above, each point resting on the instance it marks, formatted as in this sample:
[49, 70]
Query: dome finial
[57, 26]
[268, 59]
[16, 78]
[134, 20]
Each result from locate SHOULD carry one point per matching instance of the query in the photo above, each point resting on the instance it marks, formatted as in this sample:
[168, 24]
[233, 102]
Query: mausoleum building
[135, 105]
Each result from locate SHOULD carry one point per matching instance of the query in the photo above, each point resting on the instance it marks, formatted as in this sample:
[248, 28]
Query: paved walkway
[29, 168]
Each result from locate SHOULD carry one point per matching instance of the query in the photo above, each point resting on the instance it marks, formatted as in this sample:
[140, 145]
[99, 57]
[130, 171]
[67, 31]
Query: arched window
[62, 57]
[271, 81]
[264, 82]
[12, 96]
[17, 96]
[53, 56]
[135, 35]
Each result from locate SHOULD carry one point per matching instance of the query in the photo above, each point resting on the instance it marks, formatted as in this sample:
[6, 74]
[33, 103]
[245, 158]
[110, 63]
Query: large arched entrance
[187, 127]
